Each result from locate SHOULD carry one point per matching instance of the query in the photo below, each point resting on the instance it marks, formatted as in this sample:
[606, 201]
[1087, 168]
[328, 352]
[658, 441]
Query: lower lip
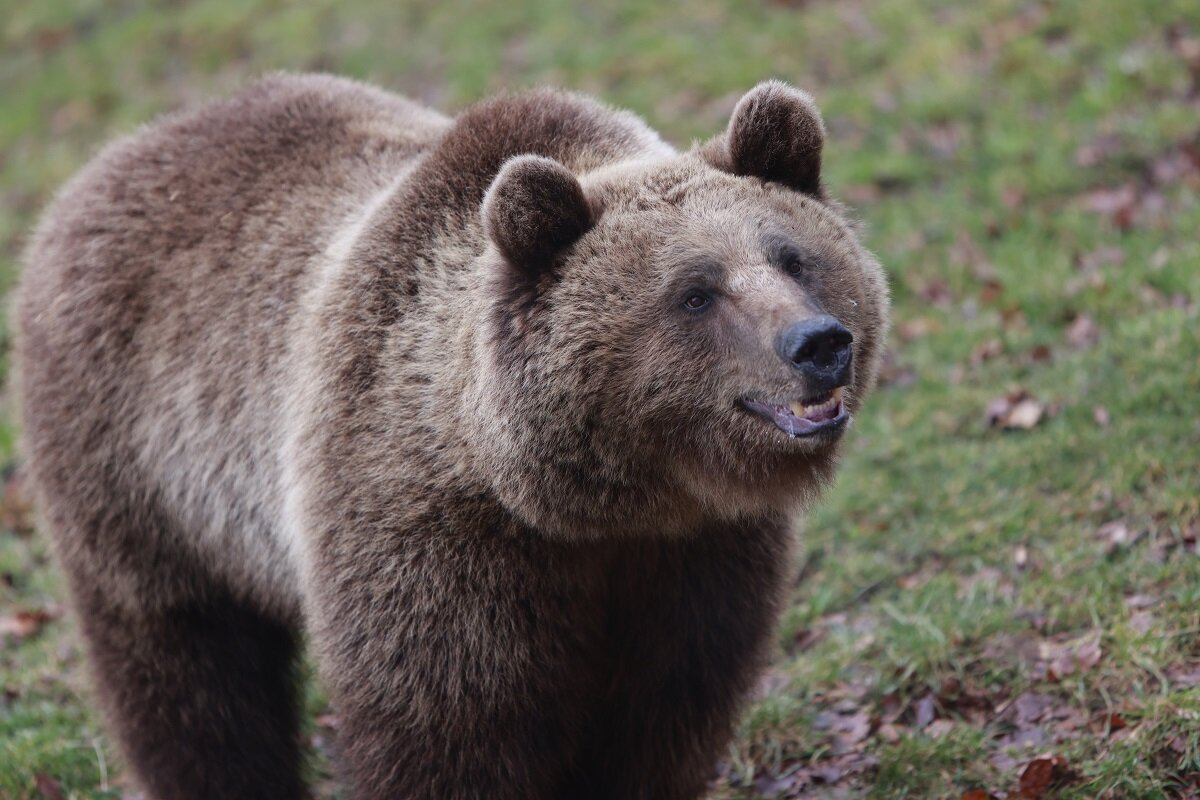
[798, 427]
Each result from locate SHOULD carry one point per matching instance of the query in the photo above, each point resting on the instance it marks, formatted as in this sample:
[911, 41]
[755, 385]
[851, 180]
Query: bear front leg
[689, 630]
[456, 663]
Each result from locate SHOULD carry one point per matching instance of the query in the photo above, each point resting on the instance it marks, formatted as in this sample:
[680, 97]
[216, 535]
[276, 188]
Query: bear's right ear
[535, 208]
[775, 133]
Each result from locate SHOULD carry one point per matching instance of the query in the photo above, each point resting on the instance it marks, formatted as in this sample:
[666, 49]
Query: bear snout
[819, 348]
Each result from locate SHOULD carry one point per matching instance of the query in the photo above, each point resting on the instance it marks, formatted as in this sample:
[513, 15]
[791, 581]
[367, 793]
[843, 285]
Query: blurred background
[1000, 597]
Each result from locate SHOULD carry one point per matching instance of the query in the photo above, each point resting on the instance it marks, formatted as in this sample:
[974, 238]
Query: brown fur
[314, 358]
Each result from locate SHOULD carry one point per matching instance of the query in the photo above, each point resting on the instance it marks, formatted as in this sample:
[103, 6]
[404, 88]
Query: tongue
[792, 425]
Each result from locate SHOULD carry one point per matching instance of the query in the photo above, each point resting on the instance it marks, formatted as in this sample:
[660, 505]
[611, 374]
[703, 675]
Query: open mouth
[822, 412]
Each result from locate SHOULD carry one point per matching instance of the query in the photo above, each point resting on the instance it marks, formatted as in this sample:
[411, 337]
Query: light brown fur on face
[316, 360]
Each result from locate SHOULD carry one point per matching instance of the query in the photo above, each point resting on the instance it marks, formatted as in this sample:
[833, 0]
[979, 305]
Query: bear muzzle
[823, 413]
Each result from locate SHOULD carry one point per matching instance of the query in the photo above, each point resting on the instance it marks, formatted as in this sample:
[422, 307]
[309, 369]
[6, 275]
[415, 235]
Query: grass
[969, 601]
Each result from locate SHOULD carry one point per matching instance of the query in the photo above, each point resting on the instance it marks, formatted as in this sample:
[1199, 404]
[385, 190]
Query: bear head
[676, 339]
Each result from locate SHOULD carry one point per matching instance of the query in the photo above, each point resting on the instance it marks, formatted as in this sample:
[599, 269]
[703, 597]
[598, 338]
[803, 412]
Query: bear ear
[775, 133]
[535, 208]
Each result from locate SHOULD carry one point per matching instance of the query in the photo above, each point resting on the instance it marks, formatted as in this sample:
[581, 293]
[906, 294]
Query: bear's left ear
[535, 208]
[776, 134]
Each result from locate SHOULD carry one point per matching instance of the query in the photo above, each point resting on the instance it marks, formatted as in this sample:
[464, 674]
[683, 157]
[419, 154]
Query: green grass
[954, 561]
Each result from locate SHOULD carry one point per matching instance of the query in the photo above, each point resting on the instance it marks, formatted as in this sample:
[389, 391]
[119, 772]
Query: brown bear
[510, 415]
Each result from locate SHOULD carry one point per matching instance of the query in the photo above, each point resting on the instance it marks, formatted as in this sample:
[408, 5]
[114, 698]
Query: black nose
[820, 349]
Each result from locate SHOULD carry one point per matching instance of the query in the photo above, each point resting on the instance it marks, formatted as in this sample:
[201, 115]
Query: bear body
[510, 415]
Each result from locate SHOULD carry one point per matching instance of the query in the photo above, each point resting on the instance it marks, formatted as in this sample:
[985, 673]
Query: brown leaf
[924, 711]
[1029, 708]
[772, 682]
[1083, 332]
[1043, 774]
[889, 733]
[1117, 536]
[25, 622]
[1067, 658]
[1088, 653]
[16, 510]
[1101, 257]
[861, 193]
[1142, 622]
[1039, 353]
[976, 794]
[1035, 778]
[1021, 557]
[935, 292]
[986, 351]
[939, 728]
[917, 328]
[848, 729]
[1100, 149]
[1015, 411]
[47, 787]
[1012, 197]
[990, 291]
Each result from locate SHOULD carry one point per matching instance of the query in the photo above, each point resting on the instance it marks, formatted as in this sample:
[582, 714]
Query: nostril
[821, 343]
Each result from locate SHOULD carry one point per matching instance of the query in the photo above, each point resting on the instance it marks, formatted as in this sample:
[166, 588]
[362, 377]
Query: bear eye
[696, 301]
[795, 265]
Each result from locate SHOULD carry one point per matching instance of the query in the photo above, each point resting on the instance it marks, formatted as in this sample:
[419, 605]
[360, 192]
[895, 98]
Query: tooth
[837, 394]
[799, 409]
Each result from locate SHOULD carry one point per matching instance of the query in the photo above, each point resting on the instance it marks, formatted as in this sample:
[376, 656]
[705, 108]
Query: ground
[999, 599]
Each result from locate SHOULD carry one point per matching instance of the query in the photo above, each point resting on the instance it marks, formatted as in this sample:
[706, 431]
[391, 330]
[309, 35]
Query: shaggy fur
[314, 359]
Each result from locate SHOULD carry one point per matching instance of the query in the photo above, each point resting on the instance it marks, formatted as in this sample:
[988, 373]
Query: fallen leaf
[848, 729]
[863, 193]
[1043, 774]
[935, 292]
[1039, 353]
[939, 728]
[1021, 557]
[47, 787]
[917, 328]
[976, 794]
[828, 775]
[1117, 536]
[893, 373]
[1142, 622]
[1035, 778]
[1029, 707]
[1083, 332]
[16, 510]
[1101, 257]
[1184, 676]
[1117, 204]
[986, 351]
[1012, 197]
[1088, 653]
[1067, 658]
[25, 622]
[1100, 149]
[1015, 411]
[889, 733]
[991, 291]
[770, 786]
[924, 711]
